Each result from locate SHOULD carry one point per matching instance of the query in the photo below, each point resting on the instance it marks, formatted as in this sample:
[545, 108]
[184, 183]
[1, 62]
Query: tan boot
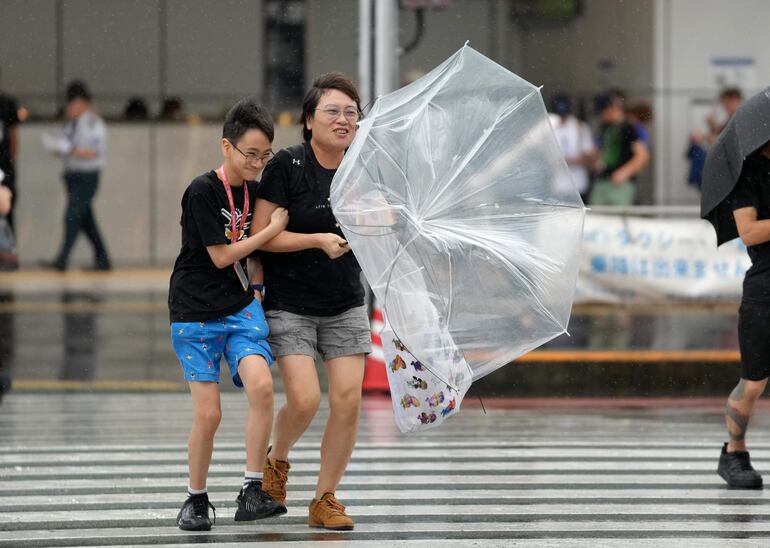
[275, 476]
[329, 513]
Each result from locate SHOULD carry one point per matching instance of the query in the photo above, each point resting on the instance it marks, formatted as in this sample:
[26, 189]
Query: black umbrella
[747, 131]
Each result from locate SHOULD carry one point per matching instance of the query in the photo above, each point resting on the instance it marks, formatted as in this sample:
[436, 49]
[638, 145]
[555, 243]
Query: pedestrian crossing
[86, 469]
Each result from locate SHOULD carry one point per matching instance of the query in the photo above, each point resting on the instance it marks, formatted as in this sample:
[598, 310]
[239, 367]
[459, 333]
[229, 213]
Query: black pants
[81, 189]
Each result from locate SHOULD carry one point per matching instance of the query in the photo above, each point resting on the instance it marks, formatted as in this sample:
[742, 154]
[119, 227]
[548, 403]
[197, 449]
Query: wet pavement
[93, 441]
[110, 469]
[113, 330]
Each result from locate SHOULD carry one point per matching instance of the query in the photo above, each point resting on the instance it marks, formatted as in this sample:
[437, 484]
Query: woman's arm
[224, 255]
[751, 230]
[286, 241]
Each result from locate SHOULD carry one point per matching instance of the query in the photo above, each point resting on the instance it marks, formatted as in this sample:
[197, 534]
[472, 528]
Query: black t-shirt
[199, 291]
[8, 119]
[307, 282]
[753, 190]
[616, 144]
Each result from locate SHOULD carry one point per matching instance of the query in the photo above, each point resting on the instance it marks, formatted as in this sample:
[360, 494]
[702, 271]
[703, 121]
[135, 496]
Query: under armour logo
[296, 162]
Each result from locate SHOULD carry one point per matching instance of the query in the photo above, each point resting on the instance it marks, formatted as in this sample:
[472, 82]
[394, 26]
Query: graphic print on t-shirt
[228, 220]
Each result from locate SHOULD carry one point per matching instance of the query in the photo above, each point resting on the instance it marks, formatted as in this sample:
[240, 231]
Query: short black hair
[77, 89]
[322, 84]
[246, 114]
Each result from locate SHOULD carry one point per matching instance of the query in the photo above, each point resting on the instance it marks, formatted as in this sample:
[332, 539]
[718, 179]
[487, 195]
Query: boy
[214, 311]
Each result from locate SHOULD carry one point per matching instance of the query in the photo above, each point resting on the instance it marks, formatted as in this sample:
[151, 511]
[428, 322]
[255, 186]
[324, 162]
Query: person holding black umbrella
[736, 200]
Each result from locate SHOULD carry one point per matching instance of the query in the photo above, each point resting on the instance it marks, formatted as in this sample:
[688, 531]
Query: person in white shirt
[83, 149]
[576, 143]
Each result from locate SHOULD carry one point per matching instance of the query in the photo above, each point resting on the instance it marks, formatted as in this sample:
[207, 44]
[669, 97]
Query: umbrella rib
[513, 269]
[479, 143]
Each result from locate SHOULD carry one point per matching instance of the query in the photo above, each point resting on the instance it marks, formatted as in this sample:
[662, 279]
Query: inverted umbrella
[747, 130]
[448, 197]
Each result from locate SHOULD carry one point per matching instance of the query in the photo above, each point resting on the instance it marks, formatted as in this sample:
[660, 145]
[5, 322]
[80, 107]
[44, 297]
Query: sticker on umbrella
[452, 198]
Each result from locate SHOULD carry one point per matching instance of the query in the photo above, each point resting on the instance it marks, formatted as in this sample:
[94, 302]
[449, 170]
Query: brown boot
[276, 475]
[329, 513]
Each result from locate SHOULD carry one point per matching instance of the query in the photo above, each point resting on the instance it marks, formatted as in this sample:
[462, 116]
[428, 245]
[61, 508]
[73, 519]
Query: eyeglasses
[254, 158]
[333, 113]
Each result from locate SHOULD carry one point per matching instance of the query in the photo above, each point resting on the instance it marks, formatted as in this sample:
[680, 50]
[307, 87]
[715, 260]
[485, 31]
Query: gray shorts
[345, 334]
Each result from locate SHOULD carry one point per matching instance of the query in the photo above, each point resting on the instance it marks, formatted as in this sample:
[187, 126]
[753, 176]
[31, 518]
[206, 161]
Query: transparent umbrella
[450, 197]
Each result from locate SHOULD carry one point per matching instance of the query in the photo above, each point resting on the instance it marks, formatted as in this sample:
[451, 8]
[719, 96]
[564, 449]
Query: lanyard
[236, 230]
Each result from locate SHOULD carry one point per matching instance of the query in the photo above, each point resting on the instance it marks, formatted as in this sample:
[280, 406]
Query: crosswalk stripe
[111, 469]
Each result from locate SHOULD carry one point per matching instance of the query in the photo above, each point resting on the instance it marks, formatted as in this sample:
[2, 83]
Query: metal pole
[386, 43]
[365, 50]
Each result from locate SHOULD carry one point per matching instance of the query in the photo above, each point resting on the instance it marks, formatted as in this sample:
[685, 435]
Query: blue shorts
[199, 346]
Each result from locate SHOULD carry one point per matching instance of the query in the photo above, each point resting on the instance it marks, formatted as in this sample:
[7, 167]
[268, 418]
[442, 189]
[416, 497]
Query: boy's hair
[322, 84]
[246, 114]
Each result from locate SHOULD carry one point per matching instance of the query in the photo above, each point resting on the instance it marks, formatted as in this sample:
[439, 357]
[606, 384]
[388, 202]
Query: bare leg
[258, 385]
[207, 414]
[346, 374]
[740, 407]
[303, 395]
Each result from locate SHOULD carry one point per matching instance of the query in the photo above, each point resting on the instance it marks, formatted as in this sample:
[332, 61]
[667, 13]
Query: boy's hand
[279, 218]
[333, 245]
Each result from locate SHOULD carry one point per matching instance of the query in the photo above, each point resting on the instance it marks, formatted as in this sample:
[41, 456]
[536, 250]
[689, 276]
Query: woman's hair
[322, 84]
[246, 114]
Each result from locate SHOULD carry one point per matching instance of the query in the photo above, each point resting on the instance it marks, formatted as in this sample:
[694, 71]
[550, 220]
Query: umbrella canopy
[747, 131]
[452, 198]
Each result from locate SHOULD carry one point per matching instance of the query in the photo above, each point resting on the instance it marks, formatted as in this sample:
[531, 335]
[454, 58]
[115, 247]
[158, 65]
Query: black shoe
[101, 267]
[194, 515]
[254, 503]
[53, 265]
[5, 385]
[735, 468]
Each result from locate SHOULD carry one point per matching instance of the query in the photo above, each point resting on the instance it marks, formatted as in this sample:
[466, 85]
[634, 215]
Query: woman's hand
[333, 245]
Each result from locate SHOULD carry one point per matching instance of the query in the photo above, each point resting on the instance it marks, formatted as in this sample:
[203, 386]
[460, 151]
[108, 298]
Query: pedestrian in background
[622, 155]
[83, 149]
[576, 144]
[9, 120]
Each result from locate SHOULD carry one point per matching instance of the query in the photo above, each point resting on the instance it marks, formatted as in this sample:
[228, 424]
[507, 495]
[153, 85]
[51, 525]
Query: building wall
[209, 53]
[689, 35]
[568, 56]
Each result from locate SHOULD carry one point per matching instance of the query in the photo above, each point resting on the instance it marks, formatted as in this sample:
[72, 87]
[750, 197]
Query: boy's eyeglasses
[333, 113]
[254, 158]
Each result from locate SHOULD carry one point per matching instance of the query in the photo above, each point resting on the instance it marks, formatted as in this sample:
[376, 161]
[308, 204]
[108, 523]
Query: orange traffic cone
[375, 375]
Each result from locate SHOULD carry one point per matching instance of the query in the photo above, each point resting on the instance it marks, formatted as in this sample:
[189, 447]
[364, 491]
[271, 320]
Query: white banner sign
[634, 259]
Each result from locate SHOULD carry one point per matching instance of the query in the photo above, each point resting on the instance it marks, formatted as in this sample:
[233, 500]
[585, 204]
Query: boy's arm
[286, 241]
[256, 275]
[224, 255]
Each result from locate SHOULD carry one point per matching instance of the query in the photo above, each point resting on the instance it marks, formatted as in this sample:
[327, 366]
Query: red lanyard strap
[236, 230]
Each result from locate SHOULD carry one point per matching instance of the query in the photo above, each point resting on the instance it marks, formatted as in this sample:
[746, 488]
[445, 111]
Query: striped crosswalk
[110, 470]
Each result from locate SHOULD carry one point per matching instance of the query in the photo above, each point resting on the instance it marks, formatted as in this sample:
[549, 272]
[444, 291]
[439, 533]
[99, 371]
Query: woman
[314, 299]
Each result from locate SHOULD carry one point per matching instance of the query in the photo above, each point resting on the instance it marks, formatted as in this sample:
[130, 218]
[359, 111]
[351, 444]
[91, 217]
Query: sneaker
[254, 503]
[735, 468]
[329, 513]
[276, 476]
[53, 265]
[194, 515]
[101, 266]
